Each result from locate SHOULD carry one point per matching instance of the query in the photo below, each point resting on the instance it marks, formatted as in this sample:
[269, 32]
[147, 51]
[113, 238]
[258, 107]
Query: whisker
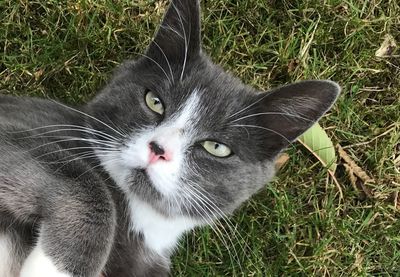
[154, 61]
[89, 141]
[185, 39]
[166, 58]
[89, 116]
[207, 201]
[264, 128]
[70, 138]
[52, 142]
[208, 208]
[93, 167]
[204, 215]
[66, 162]
[220, 213]
[73, 157]
[249, 106]
[78, 128]
[76, 148]
[86, 156]
[40, 135]
[118, 128]
[169, 28]
[271, 113]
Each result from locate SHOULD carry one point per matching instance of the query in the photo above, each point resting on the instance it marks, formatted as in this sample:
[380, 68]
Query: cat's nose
[157, 153]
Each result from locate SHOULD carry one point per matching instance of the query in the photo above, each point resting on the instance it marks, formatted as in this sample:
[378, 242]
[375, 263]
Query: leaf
[281, 161]
[320, 145]
[387, 48]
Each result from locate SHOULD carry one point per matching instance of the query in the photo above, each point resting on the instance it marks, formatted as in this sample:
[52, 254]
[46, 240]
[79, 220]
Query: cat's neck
[160, 233]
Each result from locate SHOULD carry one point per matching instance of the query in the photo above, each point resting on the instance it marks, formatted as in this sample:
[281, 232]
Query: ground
[300, 224]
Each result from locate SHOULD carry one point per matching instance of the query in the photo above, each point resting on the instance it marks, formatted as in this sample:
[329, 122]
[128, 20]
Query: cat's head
[188, 138]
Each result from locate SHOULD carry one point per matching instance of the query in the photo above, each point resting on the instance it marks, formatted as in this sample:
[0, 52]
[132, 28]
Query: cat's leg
[75, 235]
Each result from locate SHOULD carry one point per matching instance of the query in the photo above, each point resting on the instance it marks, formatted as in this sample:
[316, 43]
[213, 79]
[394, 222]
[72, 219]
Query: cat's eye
[216, 149]
[154, 103]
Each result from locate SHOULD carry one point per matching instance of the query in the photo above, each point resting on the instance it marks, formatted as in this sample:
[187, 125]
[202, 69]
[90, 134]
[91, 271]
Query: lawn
[301, 224]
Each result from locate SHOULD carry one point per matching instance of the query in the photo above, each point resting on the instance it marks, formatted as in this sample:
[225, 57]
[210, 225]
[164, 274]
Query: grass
[298, 225]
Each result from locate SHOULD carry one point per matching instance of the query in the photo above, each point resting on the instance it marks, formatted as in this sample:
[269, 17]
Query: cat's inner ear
[177, 40]
[287, 112]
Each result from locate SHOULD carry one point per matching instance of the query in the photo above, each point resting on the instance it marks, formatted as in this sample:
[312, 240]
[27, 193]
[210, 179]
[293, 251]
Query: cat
[172, 142]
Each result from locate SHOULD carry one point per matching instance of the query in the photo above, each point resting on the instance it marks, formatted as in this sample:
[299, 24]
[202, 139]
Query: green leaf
[320, 145]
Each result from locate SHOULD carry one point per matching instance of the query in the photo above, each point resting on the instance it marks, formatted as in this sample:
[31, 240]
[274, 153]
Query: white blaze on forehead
[187, 115]
[177, 132]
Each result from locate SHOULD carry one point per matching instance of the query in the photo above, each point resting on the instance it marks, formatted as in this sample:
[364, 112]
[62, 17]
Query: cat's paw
[39, 265]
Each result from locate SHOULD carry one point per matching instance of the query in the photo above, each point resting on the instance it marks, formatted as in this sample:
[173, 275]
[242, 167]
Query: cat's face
[189, 138]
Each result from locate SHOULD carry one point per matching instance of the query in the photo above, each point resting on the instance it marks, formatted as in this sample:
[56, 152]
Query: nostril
[162, 158]
[157, 149]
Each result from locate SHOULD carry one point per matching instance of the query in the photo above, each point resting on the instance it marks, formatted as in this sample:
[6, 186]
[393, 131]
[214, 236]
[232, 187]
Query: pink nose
[157, 153]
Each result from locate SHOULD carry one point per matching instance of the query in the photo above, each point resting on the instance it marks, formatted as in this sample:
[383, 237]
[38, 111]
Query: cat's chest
[160, 233]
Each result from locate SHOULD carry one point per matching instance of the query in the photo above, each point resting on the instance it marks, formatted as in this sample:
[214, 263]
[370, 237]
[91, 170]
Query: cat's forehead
[220, 95]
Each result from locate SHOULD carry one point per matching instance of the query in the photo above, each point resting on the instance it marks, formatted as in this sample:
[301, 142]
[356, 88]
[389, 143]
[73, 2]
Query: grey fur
[80, 212]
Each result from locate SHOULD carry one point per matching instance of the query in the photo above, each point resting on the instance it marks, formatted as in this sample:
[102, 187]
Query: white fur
[6, 257]
[160, 233]
[39, 265]
[188, 114]
[175, 135]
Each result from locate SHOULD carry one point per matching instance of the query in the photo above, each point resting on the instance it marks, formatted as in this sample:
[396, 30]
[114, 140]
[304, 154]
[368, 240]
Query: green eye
[154, 103]
[216, 149]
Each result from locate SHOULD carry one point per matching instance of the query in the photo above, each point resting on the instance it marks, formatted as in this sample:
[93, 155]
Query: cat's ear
[177, 40]
[289, 111]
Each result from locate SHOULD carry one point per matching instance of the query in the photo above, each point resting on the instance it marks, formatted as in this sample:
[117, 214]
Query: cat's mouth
[157, 179]
[142, 177]
[145, 189]
[142, 174]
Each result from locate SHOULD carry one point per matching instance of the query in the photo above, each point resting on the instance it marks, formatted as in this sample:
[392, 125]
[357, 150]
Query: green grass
[298, 225]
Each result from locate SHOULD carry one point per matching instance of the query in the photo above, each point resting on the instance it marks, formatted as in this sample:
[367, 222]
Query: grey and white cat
[171, 143]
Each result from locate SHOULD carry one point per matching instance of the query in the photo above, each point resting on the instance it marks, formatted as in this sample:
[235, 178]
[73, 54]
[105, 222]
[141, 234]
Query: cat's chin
[146, 190]
[143, 186]
[143, 177]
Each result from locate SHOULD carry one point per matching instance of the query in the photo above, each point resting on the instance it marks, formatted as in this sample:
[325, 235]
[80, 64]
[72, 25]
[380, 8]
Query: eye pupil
[216, 146]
